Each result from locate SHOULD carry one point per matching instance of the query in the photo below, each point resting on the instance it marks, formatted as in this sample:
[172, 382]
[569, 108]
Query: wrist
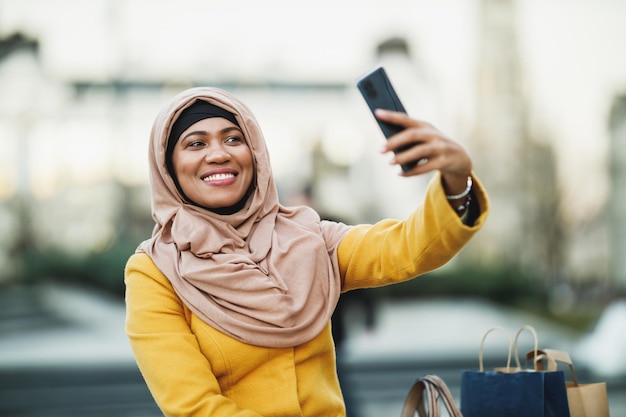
[461, 195]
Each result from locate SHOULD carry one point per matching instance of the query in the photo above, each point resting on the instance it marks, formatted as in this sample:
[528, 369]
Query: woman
[229, 302]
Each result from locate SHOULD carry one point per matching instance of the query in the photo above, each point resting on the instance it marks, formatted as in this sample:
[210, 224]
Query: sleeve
[392, 251]
[178, 375]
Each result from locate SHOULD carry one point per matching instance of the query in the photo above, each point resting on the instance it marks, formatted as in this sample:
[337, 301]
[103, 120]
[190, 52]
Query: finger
[411, 138]
[420, 167]
[415, 156]
[397, 118]
[436, 153]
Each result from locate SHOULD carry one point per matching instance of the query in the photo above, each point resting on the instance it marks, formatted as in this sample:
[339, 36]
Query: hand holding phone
[378, 93]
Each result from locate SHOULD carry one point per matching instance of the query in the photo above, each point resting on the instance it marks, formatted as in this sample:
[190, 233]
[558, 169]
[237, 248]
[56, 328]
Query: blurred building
[518, 167]
[79, 96]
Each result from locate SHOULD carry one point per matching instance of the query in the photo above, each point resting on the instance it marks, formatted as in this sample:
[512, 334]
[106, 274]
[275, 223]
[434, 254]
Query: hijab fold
[267, 274]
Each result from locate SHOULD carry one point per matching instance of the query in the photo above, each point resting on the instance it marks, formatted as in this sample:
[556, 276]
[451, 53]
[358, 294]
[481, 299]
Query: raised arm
[397, 250]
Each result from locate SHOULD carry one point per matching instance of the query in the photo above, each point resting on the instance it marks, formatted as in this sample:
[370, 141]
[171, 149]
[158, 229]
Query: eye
[195, 144]
[233, 139]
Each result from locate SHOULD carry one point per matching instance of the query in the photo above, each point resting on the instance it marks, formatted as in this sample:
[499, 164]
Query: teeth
[217, 177]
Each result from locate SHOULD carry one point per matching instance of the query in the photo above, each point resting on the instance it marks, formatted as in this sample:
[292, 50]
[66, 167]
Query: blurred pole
[617, 200]
[25, 239]
[19, 56]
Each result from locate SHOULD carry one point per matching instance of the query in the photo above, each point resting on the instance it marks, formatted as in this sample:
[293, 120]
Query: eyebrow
[204, 132]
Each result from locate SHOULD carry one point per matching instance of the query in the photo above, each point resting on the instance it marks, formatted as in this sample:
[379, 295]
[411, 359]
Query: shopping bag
[585, 400]
[513, 392]
[435, 389]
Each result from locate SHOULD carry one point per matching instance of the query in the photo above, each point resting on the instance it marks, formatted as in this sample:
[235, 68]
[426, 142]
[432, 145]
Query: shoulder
[141, 268]
[140, 261]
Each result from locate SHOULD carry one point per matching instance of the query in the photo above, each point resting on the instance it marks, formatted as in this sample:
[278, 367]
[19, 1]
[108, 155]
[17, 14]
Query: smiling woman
[229, 302]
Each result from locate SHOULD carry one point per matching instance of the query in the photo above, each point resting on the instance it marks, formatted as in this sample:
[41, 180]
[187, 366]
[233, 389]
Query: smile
[218, 177]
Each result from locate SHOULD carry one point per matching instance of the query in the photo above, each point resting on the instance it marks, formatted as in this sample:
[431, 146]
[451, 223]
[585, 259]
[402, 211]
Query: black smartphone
[376, 88]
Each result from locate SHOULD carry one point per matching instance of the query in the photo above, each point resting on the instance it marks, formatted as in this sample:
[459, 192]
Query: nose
[216, 153]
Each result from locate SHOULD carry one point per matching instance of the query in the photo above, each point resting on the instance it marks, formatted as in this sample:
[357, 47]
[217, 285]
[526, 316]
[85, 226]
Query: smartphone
[376, 89]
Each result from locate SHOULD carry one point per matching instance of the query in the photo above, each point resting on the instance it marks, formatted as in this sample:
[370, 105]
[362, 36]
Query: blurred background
[534, 89]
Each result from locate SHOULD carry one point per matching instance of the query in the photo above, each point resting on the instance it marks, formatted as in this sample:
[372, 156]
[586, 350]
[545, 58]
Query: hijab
[266, 275]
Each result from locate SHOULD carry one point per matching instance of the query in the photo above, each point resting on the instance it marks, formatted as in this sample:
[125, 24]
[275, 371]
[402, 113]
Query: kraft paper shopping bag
[585, 400]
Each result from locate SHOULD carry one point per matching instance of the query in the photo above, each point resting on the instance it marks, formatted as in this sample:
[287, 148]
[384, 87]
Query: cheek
[182, 163]
[176, 161]
[248, 160]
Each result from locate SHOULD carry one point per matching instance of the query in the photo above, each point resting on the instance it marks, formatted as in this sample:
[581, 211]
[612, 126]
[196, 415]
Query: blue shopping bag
[513, 392]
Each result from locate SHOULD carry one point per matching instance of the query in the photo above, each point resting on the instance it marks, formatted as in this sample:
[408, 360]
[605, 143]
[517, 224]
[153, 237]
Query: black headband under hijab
[199, 110]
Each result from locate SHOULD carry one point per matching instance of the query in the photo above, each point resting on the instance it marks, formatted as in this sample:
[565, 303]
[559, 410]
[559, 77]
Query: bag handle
[515, 343]
[436, 389]
[482, 345]
[552, 356]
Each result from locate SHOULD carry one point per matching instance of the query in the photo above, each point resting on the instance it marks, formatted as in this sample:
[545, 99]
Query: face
[213, 163]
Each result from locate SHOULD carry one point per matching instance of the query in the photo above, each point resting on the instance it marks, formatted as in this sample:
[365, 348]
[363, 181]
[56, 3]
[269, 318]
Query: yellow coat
[193, 369]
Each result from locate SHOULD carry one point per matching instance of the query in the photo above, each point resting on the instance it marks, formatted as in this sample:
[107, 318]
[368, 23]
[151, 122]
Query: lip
[223, 176]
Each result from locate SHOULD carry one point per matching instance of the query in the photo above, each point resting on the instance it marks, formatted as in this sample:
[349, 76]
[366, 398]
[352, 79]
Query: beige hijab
[266, 275]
